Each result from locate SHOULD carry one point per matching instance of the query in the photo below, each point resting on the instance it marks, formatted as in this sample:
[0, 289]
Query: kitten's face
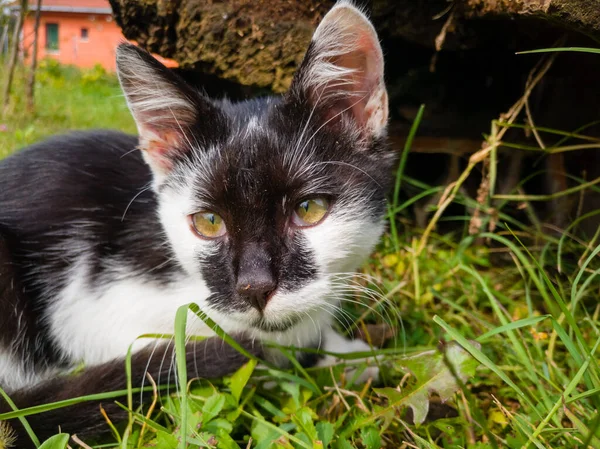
[272, 202]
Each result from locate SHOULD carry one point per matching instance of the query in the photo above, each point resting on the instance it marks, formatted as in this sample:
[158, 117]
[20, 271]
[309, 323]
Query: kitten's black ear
[342, 71]
[164, 107]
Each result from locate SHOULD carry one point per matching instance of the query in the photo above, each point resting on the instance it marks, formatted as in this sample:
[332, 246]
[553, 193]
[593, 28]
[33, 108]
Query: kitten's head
[271, 202]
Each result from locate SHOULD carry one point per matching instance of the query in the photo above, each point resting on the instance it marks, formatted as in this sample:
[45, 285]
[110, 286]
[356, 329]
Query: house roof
[75, 6]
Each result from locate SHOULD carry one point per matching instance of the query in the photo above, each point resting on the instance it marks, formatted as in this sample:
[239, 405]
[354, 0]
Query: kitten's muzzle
[256, 281]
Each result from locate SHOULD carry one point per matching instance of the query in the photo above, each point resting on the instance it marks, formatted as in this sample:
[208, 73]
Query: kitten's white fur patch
[97, 325]
[12, 373]
[345, 238]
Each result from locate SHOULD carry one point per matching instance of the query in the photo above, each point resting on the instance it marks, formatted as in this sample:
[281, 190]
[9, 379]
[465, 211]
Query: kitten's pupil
[310, 212]
[208, 224]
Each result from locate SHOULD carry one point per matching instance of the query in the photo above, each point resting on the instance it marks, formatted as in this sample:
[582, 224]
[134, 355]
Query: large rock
[257, 43]
[260, 42]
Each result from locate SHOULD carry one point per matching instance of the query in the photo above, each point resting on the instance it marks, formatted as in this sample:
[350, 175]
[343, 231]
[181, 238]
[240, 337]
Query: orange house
[78, 32]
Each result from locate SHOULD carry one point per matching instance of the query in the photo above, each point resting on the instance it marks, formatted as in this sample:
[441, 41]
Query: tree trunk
[30, 94]
[14, 55]
[4, 36]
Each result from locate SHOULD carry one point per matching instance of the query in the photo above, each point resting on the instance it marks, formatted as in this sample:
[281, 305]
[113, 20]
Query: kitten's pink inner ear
[159, 148]
[367, 93]
[345, 39]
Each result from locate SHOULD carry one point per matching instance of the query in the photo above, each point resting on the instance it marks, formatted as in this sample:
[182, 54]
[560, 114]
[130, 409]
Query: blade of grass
[400, 173]
[280, 431]
[221, 333]
[570, 387]
[560, 49]
[481, 357]
[526, 322]
[404, 156]
[558, 132]
[68, 402]
[566, 233]
[21, 418]
[180, 360]
[595, 382]
[290, 354]
[552, 196]
[582, 271]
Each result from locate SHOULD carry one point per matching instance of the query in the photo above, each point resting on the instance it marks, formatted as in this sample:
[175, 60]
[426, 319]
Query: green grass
[66, 99]
[523, 304]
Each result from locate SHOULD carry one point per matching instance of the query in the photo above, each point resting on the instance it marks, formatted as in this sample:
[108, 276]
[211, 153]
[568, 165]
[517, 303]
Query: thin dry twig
[470, 430]
[152, 406]
[360, 404]
[492, 143]
[110, 423]
[448, 26]
[76, 439]
[441, 38]
[529, 116]
[337, 389]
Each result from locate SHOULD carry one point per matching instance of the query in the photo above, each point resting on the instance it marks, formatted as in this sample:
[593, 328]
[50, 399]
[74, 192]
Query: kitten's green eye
[208, 224]
[311, 211]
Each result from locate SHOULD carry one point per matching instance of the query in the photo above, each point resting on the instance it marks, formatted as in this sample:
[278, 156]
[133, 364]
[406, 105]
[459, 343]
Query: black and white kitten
[256, 211]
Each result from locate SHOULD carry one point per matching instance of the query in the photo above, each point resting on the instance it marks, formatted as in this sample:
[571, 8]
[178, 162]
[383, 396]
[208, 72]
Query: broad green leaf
[343, 444]
[240, 378]
[445, 425]
[263, 435]
[294, 391]
[59, 441]
[217, 425]
[224, 441]
[432, 375]
[370, 437]
[165, 440]
[326, 431]
[212, 407]
[265, 432]
[304, 418]
[308, 441]
[206, 439]
[194, 418]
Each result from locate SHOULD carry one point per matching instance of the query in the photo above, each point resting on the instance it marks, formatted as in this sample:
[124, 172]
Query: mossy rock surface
[256, 43]
[260, 42]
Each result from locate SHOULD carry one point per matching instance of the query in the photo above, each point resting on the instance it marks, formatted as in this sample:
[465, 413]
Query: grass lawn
[522, 304]
[66, 99]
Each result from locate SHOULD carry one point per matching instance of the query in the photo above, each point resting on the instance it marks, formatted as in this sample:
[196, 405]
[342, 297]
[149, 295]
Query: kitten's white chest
[95, 325]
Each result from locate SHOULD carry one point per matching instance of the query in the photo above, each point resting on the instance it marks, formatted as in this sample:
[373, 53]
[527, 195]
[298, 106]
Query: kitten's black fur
[75, 185]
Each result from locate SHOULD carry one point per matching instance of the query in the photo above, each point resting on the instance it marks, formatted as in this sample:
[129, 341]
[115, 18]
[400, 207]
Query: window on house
[85, 34]
[52, 36]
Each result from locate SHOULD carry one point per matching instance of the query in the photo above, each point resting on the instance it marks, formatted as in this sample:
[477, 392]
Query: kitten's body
[98, 243]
